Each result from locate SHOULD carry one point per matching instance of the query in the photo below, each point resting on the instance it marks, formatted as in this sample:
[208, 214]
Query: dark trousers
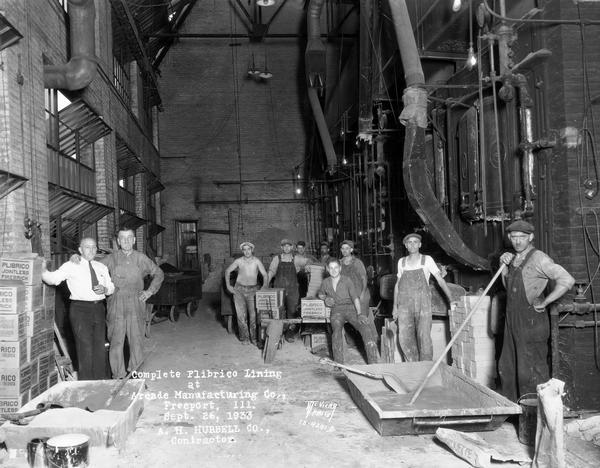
[88, 321]
[339, 316]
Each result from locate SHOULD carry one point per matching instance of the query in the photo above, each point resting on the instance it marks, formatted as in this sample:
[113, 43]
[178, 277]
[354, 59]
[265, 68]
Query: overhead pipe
[315, 63]
[414, 117]
[365, 95]
[80, 70]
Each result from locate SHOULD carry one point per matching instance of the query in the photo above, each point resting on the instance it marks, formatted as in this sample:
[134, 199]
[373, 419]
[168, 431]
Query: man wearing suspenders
[523, 363]
[412, 300]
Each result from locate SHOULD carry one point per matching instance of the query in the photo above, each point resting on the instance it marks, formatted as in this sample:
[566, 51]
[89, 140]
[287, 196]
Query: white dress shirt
[79, 279]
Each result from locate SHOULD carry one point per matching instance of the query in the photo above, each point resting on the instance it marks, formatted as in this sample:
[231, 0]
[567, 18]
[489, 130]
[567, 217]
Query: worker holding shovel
[523, 363]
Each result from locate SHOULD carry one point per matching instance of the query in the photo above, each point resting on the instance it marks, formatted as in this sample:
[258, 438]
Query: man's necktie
[93, 275]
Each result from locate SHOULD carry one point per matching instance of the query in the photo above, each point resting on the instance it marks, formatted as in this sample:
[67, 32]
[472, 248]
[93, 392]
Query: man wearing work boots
[412, 300]
[245, 289]
[339, 293]
[523, 363]
[283, 269]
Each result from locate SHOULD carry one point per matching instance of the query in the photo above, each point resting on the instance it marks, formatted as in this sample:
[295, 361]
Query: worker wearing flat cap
[355, 269]
[244, 291]
[523, 363]
[412, 300]
[283, 270]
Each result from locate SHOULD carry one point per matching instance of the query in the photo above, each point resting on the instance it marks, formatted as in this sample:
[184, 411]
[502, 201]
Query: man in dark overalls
[412, 300]
[523, 363]
[283, 269]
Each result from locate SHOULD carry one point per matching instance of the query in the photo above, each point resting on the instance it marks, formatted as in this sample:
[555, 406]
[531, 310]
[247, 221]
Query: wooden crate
[269, 299]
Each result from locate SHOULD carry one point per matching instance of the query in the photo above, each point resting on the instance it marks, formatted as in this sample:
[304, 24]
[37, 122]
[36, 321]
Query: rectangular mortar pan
[105, 427]
[450, 399]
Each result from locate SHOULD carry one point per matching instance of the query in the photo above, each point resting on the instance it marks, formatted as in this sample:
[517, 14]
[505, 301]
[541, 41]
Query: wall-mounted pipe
[78, 72]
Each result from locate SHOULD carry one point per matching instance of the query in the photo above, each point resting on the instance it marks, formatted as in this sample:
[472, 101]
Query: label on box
[269, 299]
[13, 354]
[11, 405]
[13, 327]
[28, 270]
[312, 308]
[12, 297]
[13, 382]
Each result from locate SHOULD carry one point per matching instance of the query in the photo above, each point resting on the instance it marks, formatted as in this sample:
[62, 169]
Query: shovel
[390, 379]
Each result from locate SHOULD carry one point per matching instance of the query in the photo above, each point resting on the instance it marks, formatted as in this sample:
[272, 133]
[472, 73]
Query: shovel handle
[456, 335]
[351, 369]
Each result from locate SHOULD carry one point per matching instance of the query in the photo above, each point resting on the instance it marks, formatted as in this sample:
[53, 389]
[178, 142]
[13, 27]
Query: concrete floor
[274, 429]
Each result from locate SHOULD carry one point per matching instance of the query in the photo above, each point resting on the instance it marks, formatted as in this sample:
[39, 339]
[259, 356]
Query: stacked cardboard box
[314, 309]
[474, 352]
[269, 302]
[26, 331]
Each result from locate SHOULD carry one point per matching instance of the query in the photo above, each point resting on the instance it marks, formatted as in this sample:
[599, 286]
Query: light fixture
[471, 58]
[298, 191]
[591, 188]
[456, 5]
[252, 71]
[264, 3]
[265, 74]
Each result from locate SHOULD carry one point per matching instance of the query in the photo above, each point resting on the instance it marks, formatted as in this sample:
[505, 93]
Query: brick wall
[566, 112]
[218, 125]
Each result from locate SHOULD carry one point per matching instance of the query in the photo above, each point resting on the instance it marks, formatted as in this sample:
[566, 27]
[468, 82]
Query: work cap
[250, 244]
[408, 236]
[286, 241]
[301, 243]
[521, 226]
[347, 242]
[324, 243]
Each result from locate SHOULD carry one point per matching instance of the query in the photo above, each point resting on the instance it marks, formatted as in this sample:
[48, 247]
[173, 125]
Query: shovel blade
[394, 383]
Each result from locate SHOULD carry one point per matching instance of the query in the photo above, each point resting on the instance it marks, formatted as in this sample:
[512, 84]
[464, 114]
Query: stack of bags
[474, 351]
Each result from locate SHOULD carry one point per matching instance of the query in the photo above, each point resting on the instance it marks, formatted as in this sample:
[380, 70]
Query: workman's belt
[243, 286]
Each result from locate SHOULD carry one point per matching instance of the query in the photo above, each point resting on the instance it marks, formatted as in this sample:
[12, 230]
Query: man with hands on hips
[523, 363]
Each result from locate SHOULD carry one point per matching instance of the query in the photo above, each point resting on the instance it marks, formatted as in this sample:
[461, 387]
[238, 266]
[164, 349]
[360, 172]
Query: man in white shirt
[412, 300]
[89, 283]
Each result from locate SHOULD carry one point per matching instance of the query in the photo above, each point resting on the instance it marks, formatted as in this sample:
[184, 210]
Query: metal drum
[68, 451]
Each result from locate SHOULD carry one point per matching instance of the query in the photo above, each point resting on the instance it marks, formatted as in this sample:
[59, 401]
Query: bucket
[36, 452]
[528, 418]
[68, 451]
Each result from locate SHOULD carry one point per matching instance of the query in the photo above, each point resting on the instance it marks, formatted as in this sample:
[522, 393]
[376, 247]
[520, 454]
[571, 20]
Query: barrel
[68, 451]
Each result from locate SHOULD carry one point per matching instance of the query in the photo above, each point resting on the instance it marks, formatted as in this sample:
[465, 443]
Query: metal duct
[322, 127]
[414, 116]
[315, 63]
[365, 95]
[78, 72]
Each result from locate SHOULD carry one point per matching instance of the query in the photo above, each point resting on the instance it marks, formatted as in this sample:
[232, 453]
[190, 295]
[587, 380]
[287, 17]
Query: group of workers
[523, 362]
[116, 280]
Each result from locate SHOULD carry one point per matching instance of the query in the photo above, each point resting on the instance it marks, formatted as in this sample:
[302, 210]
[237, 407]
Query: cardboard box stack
[26, 331]
[269, 302]
[474, 352]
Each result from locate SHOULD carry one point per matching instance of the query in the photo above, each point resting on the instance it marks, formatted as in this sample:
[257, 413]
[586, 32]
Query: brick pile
[474, 352]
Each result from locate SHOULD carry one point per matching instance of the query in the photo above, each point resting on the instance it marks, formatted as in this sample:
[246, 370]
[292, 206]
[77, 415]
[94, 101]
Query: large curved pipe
[414, 167]
[78, 72]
